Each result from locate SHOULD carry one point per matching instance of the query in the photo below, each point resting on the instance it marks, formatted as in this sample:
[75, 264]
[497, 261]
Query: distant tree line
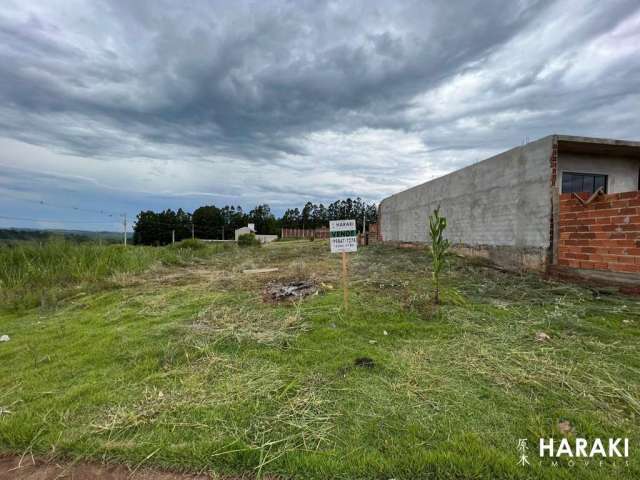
[14, 235]
[315, 216]
[22, 235]
[211, 222]
[207, 222]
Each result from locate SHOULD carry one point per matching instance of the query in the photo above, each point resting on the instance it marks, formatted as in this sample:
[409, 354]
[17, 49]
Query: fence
[322, 233]
[305, 232]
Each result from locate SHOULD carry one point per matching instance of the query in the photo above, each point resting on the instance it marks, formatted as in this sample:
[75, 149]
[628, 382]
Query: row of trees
[315, 216]
[211, 222]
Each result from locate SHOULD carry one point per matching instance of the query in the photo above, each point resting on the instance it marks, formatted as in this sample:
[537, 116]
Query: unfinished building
[561, 203]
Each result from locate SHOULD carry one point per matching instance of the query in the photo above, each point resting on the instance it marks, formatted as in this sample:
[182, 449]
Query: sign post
[344, 239]
[345, 282]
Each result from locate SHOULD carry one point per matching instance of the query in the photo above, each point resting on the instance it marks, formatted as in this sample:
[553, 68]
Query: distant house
[558, 203]
[251, 228]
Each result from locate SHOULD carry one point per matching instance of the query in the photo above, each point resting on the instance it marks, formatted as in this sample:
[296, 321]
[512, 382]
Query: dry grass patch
[241, 323]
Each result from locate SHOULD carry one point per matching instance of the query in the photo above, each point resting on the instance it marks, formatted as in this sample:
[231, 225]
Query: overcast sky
[129, 105]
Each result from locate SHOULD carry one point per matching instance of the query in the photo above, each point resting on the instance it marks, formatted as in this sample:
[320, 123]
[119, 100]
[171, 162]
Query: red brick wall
[604, 235]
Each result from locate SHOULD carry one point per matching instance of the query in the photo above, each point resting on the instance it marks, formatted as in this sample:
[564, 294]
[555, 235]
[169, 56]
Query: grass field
[172, 359]
[42, 272]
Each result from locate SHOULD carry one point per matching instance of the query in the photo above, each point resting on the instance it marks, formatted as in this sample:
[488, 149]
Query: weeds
[248, 240]
[40, 272]
[190, 244]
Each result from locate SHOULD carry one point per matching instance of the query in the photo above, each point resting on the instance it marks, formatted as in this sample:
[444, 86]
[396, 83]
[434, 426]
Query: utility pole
[193, 233]
[124, 229]
[173, 237]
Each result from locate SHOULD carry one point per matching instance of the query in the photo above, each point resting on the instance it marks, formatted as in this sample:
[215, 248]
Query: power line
[55, 221]
[170, 226]
[186, 225]
[82, 209]
[177, 224]
[67, 222]
[68, 207]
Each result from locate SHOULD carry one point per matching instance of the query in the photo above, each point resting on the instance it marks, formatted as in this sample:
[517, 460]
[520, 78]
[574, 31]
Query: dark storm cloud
[338, 97]
[246, 80]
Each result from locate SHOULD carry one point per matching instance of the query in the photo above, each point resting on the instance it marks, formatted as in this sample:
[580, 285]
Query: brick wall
[603, 235]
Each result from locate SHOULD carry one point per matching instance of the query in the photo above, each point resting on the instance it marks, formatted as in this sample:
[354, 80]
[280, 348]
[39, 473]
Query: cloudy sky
[119, 106]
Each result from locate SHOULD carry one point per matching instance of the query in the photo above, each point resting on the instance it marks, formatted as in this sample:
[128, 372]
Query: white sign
[343, 236]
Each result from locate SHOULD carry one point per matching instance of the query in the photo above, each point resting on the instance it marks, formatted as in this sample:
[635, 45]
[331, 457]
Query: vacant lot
[181, 361]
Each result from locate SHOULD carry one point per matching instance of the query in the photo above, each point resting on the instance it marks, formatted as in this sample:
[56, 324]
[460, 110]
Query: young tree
[439, 247]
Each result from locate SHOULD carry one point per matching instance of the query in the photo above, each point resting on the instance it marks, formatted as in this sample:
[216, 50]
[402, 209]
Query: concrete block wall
[499, 208]
[603, 235]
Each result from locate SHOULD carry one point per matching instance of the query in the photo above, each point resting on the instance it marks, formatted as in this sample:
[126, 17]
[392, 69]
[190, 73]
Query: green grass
[181, 365]
[43, 272]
